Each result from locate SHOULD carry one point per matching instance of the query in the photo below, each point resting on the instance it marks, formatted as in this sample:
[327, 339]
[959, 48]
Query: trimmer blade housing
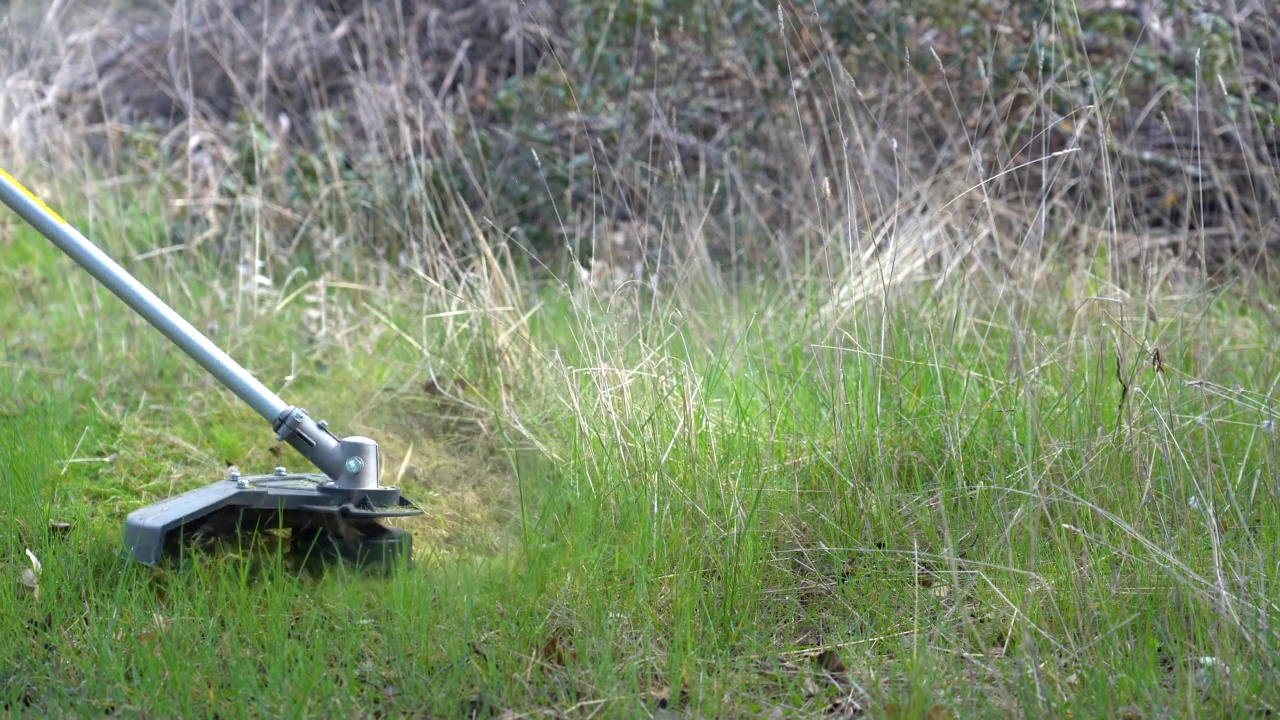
[320, 516]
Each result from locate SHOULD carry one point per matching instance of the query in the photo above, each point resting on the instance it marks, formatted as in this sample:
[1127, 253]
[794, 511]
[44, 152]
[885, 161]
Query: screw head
[298, 416]
[323, 424]
[234, 476]
[354, 465]
[280, 471]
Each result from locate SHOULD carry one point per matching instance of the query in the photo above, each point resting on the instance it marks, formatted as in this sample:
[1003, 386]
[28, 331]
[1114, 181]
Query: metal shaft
[142, 300]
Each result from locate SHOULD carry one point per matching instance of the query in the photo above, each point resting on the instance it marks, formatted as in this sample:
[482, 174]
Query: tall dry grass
[809, 141]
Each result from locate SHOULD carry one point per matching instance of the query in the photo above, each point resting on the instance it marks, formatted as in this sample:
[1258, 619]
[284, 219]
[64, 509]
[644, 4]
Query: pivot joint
[351, 462]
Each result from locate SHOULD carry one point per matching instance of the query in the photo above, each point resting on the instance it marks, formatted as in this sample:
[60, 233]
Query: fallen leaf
[30, 576]
[830, 661]
[846, 708]
[30, 580]
[811, 687]
[557, 650]
[661, 696]
[924, 574]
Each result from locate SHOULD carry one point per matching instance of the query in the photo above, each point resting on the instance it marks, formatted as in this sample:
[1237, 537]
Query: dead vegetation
[394, 71]
[1005, 130]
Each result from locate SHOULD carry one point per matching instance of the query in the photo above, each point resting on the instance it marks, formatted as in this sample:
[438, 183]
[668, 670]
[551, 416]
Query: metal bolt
[234, 476]
[354, 465]
[242, 483]
[298, 416]
[323, 424]
[280, 471]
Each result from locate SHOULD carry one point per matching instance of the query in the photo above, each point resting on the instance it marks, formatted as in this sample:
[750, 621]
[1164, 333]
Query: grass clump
[935, 495]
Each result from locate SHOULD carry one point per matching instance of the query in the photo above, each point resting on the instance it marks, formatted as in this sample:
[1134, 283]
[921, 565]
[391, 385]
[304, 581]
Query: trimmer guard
[299, 502]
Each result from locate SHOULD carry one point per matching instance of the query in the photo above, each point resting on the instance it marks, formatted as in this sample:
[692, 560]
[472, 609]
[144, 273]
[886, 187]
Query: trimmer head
[323, 520]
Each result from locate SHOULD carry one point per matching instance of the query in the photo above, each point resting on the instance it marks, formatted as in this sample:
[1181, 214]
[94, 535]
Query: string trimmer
[337, 511]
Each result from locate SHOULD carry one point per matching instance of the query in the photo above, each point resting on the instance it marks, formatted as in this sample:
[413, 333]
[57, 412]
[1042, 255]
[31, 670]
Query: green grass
[935, 505]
